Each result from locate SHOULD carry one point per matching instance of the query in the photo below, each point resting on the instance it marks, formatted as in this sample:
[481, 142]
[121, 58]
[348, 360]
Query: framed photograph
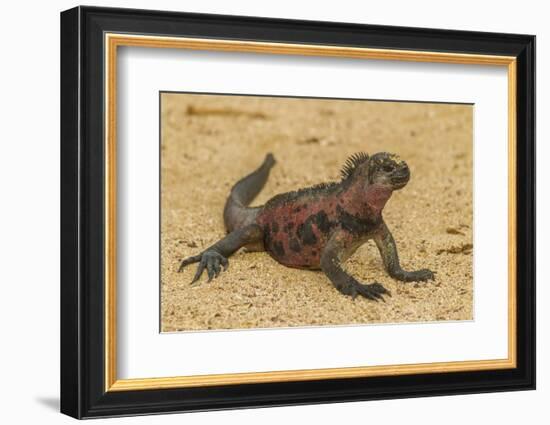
[261, 212]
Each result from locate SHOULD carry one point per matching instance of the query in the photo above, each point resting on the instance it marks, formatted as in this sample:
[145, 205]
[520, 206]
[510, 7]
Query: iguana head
[386, 169]
[383, 169]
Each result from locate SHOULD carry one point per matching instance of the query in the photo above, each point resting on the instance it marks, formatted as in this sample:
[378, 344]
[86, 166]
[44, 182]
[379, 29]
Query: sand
[209, 142]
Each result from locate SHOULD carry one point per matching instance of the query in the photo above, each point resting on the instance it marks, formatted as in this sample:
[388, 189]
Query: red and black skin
[318, 227]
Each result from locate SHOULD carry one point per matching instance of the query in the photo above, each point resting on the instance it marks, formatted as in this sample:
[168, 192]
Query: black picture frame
[83, 392]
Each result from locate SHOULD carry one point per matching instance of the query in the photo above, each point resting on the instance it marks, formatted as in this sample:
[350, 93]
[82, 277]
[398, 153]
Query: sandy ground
[209, 142]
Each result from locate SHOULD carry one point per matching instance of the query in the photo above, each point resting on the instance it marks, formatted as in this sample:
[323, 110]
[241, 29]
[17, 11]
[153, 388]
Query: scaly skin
[318, 227]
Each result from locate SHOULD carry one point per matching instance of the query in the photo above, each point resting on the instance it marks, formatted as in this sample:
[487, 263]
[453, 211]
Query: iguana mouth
[400, 177]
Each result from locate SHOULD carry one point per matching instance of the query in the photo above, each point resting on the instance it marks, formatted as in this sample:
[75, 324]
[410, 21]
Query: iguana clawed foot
[210, 260]
[373, 291]
[423, 275]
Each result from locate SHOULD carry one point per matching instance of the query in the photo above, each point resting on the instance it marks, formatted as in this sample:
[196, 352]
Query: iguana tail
[237, 213]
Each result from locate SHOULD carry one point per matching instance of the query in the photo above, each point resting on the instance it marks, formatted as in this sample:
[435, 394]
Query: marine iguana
[318, 227]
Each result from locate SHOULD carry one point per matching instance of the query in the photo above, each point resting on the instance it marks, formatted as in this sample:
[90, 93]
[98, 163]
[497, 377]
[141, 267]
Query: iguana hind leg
[213, 258]
[334, 251]
[236, 213]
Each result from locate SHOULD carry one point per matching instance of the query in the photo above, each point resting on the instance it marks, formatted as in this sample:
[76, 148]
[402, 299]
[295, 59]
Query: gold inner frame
[113, 41]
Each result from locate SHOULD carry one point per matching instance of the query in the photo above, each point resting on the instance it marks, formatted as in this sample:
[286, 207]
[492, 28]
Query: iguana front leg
[340, 244]
[388, 250]
[214, 257]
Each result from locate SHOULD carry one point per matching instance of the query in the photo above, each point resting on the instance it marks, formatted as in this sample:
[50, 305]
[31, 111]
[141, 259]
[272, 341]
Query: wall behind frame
[29, 221]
